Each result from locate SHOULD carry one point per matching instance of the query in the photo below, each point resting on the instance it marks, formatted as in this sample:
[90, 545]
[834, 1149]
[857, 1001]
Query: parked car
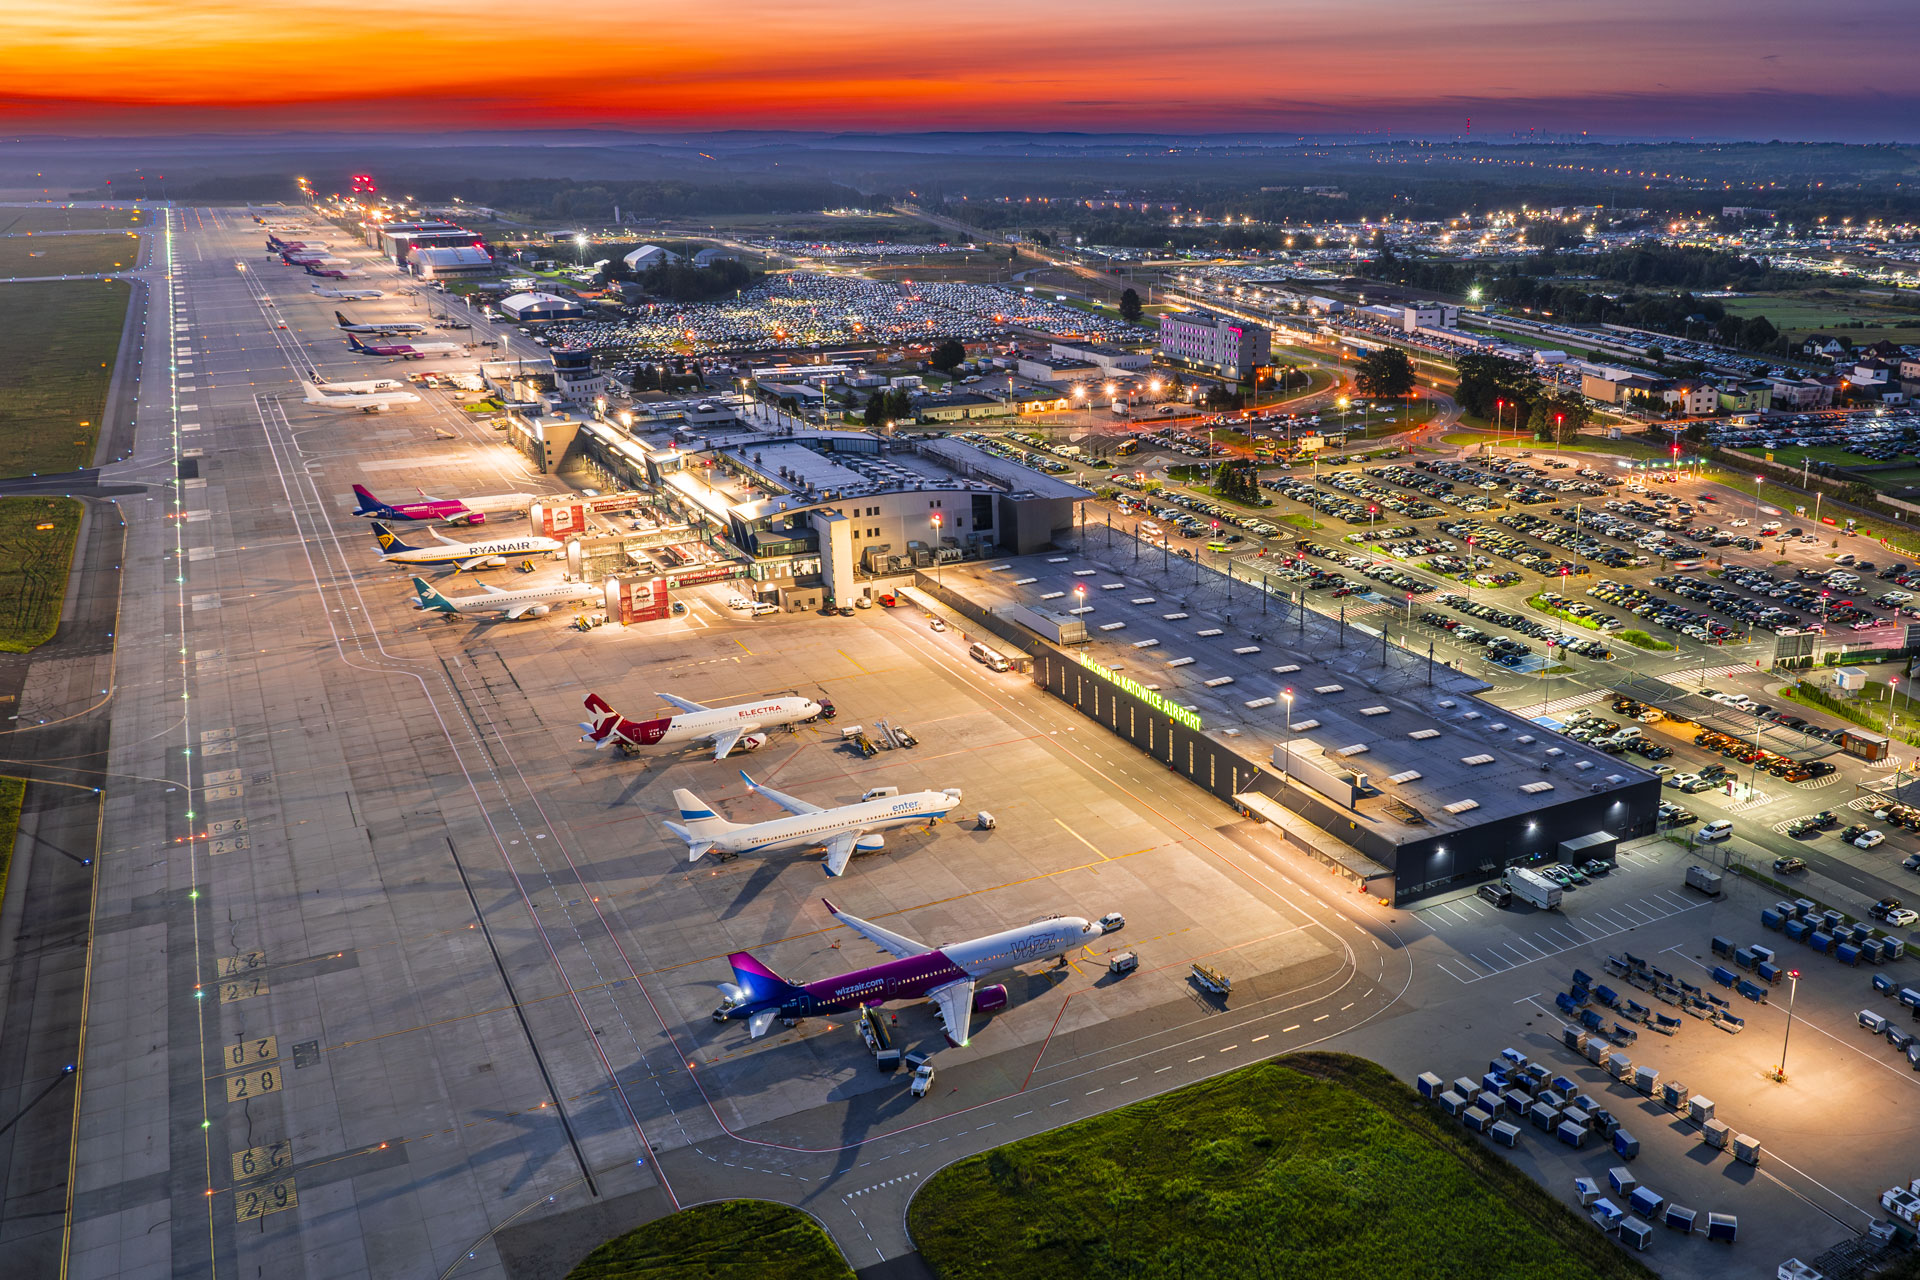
[1789, 864]
[1718, 829]
[1868, 839]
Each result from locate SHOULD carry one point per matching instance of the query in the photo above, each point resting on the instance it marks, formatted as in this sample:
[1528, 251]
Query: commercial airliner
[406, 350]
[390, 326]
[528, 602]
[370, 384]
[945, 975]
[842, 829]
[429, 508]
[465, 555]
[350, 295]
[334, 272]
[741, 725]
[365, 401]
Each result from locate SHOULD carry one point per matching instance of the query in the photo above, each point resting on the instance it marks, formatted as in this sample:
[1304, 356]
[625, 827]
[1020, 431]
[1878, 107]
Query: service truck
[1532, 887]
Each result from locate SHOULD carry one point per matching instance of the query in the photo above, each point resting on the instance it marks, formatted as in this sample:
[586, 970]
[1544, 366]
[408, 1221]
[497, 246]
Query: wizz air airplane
[326, 272]
[406, 350]
[742, 725]
[841, 829]
[390, 326]
[430, 508]
[488, 552]
[528, 602]
[350, 295]
[365, 401]
[947, 975]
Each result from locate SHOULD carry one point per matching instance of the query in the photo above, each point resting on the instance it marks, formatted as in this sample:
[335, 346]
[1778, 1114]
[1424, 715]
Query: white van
[988, 657]
[1718, 829]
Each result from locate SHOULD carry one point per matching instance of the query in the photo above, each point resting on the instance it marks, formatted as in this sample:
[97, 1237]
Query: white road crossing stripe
[1561, 704]
[1590, 929]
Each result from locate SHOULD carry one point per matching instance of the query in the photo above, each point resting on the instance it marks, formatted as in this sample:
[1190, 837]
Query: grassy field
[1316, 1165]
[1803, 311]
[57, 345]
[1641, 639]
[13, 221]
[13, 792]
[33, 567]
[732, 1240]
[68, 255]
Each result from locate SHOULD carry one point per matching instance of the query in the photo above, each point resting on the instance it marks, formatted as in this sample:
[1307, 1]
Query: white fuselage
[449, 553]
[350, 294]
[360, 388]
[327, 399]
[748, 717]
[1030, 942]
[808, 829]
[508, 601]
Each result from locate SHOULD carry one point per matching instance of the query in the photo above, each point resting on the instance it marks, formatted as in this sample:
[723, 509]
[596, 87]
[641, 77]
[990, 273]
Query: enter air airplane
[841, 830]
[946, 975]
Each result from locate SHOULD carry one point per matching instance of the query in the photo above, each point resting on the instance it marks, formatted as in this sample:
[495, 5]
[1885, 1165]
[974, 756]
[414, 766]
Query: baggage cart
[1429, 1085]
[1621, 1067]
[1752, 991]
[1574, 1135]
[1722, 946]
[1722, 1227]
[1645, 1201]
[1585, 1191]
[1476, 1119]
[1625, 1145]
[1451, 1102]
[1745, 1149]
[1680, 1218]
[1505, 1133]
[1635, 1234]
[1723, 975]
[1716, 1134]
[1621, 1179]
[1699, 1108]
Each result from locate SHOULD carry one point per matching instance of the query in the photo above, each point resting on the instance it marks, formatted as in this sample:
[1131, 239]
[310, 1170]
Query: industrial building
[1369, 753]
[397, 240]
[1215, 344]
[447, 262]
[526, 308]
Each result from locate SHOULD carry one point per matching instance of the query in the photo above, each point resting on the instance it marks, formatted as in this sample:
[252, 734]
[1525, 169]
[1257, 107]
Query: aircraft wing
[792, 804]
[956, 1009]
[840, 851]
[758, 1023]
[724, 742]
[425, 496]
[900, 946]
[492, 590]
[519, 611]
[685, 704]
[474, 562]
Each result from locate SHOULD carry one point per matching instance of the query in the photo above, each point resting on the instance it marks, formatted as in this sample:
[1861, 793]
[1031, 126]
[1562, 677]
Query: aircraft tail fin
[699, 825]
[353, 340]
[757, 982]
[389, 541]
[342, 320]
[430, 597]
[368, 504]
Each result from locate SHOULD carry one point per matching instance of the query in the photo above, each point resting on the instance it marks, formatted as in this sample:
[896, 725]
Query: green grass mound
[36, 548]
[731, 1240]
[1318, 1165]
[1641, 639]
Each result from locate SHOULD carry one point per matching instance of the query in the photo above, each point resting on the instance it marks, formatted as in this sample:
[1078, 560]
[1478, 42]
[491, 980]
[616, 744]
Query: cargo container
[1847, 953]
[1716, 1134]
[1820, 940]
[1723, 975]
[1598, 1052]
[1585, 1191]
[1517, 1101]
[1744, 957]
[1506, 1134]
[1574, 1135]
[1574, 1038]
[1872, 1021]
[1625, 1144]
[1745, 1149]
[1544, 1117]
[1621, 1179]
[1621, 1067]
[1062, 629]
[1635, 1234]
[1476, 1119]
[1721, 946]
[1767, 971]
[1771, 919]
[1798, 930]
[1451, 1102]
[1752, 991]
[1804, 907]
[1680, 1218]
[1722, 1227]
[1699, 1108]
[1646, 1079]
[1892, 949]
[1645, 1200]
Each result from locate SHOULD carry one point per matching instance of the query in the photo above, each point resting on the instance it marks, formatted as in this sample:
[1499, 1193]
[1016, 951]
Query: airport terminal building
[1367, 753]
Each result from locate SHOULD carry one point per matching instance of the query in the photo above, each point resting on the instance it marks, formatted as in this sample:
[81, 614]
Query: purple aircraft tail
[370, 505]
[756, 980]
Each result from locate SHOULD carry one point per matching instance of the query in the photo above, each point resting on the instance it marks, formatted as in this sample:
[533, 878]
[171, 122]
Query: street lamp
[1793, 989]
[937, 574]
[1286, 743]
[1079, 597]
[580, 250]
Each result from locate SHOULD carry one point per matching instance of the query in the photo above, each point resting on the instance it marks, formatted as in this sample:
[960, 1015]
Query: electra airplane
[405, 350]
[390, 326]
[946, 975]
[365, 401]
[842, 829]
[464, 555]
[742, 725]
[529, 602]
[350, 295]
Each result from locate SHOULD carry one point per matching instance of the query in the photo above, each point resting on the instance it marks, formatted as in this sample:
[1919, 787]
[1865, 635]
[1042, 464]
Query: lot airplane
[406, 350]
[371, 384]
[841, 829]
[946, 975]
[529, 602]
[365, 401]
[390, 326]
[350, 295]
[742, 725]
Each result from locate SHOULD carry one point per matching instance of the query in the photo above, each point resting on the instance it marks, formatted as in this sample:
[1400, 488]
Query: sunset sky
[1842, 69]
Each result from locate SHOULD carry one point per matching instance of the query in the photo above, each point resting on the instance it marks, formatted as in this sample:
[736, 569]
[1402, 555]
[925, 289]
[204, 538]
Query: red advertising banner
[643, 601]
[558, 522]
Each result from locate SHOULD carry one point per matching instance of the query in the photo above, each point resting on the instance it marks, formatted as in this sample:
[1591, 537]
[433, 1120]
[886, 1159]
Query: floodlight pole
[1793, 989]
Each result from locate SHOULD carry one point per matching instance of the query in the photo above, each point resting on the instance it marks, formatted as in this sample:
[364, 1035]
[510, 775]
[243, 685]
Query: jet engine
[989, 998]
[539, 611]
